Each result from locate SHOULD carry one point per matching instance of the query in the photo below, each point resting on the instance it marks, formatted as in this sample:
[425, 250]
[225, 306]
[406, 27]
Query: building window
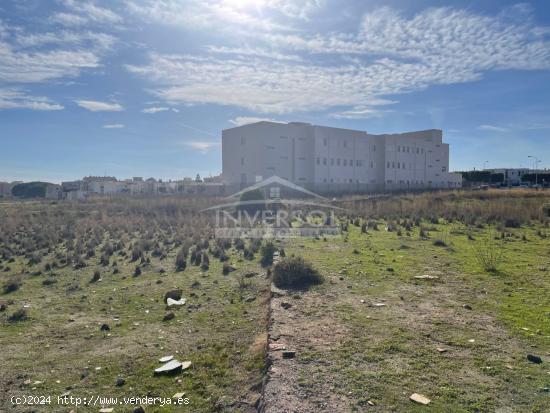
[325, 180]
[351, 162]
[270, 147]
[284, 157]
[275, 192]
[301, 158]
[332, 161]
[345, 162]
[338, 162]
[393, 165]
[398, 148]
[325, 141]
[318, 161]
[371, 164]
[242, 161]
[374, 148]
[345, 144]
[243, 140]
[388, 165]
[324, 161]
[444, 169]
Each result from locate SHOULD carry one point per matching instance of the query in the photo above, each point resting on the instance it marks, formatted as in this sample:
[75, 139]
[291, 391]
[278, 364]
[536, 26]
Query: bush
[205, 265]
[488, 253]
[266, 251]
[96, 276]
[18, 315]
[12, 285]
[181, 263]
[137, 271]
[295, 273]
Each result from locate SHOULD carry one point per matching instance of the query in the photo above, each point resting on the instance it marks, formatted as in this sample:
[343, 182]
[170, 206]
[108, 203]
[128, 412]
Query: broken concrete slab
[172, 367]
[170, 302]
[426, 277]
[419, 398]
[174, 294]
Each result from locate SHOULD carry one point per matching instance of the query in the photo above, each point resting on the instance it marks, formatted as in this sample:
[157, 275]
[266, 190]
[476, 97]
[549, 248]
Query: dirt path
[361, 352]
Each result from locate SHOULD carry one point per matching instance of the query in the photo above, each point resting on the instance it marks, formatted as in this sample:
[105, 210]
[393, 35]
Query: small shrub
[227, 268]
[96, 276]
[439, 243]
[295, 273]
[488, 253]
[181, 262]
[205, 265]
[18, 315]
[12, 285]
[266, 251]
[137, 271]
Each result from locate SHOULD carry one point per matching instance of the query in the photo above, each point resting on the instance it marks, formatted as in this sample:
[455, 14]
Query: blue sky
[144, 87]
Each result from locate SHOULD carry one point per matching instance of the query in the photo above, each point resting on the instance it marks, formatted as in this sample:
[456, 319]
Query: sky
[144, 87]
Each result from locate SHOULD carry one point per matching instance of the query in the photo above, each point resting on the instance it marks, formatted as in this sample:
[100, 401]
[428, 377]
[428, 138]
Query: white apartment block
[330, 159]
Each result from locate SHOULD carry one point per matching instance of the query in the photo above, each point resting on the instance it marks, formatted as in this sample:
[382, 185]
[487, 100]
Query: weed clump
[295, 273]
[266, 251]
[18, 315]
[12, 285]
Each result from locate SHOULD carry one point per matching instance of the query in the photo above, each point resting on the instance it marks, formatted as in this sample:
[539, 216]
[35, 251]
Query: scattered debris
[170, 302]
[178, 395]
[467, 306]
[138, 409]
[426, 277]
[287, 354]
[172, 367]
[419, 398]
[276, 346]
[249, 298]
[378, 305]
[371, 403]
[106, 410]
[166, 359]
[105, 327]
[286, 305]
[120, 382]
[471, 340]
[534, 359]
[173, 294]
[441, 349]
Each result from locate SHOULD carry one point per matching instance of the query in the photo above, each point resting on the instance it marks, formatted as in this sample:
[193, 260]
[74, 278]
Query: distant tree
[198, 178]
[252, 208]
[30, 190]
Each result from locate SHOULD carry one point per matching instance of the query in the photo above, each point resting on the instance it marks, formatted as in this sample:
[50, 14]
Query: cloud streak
[97, 106]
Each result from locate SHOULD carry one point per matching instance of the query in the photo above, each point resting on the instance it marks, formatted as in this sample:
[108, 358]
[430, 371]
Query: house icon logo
[275, 208]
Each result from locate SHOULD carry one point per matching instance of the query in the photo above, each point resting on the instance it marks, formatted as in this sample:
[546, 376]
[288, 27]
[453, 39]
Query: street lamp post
[536, 166]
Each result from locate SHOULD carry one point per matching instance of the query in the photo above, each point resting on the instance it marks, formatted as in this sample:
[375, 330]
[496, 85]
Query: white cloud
[68, 19]
[16, 99]
[492, 128]
[157, 109]
[96, 106]
[88, 11]
[202, 146]
[359, 112]
[113, 126]
[224, 15]
[245, 120]
[391, 54]
[31, 57]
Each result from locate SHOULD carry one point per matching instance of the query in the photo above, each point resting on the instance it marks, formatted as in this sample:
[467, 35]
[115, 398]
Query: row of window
[408, 149]
[342, 162]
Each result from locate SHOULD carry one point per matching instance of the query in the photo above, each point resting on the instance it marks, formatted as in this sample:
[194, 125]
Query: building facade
[330, 159]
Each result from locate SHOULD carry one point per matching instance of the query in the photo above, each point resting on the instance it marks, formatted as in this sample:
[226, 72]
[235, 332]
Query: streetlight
[536, 166]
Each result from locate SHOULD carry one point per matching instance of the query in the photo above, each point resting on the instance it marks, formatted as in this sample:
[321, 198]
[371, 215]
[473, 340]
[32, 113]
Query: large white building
[330, 159]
